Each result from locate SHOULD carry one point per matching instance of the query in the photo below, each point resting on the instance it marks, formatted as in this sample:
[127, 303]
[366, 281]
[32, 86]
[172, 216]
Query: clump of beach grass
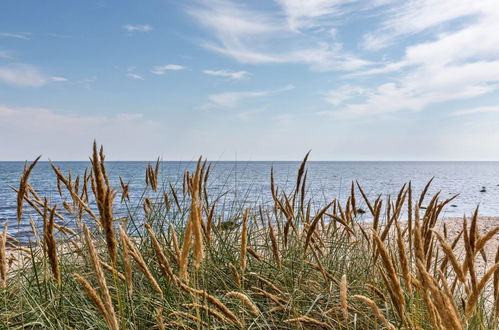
[294, 263]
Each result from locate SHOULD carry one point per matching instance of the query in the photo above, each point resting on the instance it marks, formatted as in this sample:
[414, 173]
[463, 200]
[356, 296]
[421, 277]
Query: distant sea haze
[477, 183]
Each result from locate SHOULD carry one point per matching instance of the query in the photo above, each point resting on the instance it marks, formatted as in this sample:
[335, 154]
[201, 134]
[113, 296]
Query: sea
[248, 183]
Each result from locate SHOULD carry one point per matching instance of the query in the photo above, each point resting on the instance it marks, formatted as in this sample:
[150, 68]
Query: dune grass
[181, 263]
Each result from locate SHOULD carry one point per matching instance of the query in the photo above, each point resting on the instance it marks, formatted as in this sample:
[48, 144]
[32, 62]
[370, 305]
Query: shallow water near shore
[248, 183]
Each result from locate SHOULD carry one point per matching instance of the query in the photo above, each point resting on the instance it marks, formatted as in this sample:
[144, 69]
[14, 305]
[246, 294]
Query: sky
[250, 80]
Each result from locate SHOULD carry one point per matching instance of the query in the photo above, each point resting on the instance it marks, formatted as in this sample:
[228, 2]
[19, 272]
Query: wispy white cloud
[343, 93]
[160, 70]
[233, 99]
[252, 36]
[419, 89]
[59, 79]
[411, 17]
[311, 13]
[139, 27]
[459, 61]
[16, 35]
[23, 75]
[135, 76]
[236, 75]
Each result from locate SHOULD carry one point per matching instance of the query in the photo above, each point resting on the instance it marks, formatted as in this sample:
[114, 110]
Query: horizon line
[249, 161]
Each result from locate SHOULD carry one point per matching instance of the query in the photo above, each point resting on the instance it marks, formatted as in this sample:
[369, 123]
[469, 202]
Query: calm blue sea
[249, 182]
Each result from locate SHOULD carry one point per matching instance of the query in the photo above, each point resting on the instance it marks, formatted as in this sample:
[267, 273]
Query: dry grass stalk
[268, 283]
[152, 176]
[77, 200]
[320, 268]
[473, 299]
[65, 230]
[469, 262]
[137, 256]
[193, 227]
[254, 254]
[244, 241]
[245, 300]
[480, 244]
[397, 292]
[124, 191]
[112, 270]
[377, 291]
[110, 319]
[404, 263]
[279, 301]
[50, 242]
[160, 256]
[23, 187]
[309, 320]
[449, 316]
[447, 290]
[101, 279]
[4, 267]
[342, 222]
[104, 196]
[160, 322]
[343, 297]
[173, 231]
[368, 203]
[68, 207]
[209, 225]
[166, 200]
[214, 301]
[209, 310]
[196, 207]
[496, 287]
[313, 225]
[191, 317]
[148, 207]
[183, 257]
[301, 171]
[179, 324]
[127, 265]
[451, 257]
[273, 240]
[35, 231]
[35, 202]
[174, 194]
[377, 312]
[235, 273]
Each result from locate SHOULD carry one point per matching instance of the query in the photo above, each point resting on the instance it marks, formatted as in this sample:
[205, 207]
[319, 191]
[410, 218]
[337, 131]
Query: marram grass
[183, 263]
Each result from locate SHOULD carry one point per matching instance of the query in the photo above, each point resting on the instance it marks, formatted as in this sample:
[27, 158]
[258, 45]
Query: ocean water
[249, 182]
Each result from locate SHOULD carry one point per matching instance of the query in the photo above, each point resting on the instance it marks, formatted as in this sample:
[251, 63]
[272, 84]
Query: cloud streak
[234, 75]
[163, 69]
[22, 75]
[16, 35]
[233, 99]
[139, 27]
[135, 76]
[451, 66]
[257, 37]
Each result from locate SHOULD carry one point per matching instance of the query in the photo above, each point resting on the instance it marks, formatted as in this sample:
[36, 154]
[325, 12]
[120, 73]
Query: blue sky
[253, 80]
